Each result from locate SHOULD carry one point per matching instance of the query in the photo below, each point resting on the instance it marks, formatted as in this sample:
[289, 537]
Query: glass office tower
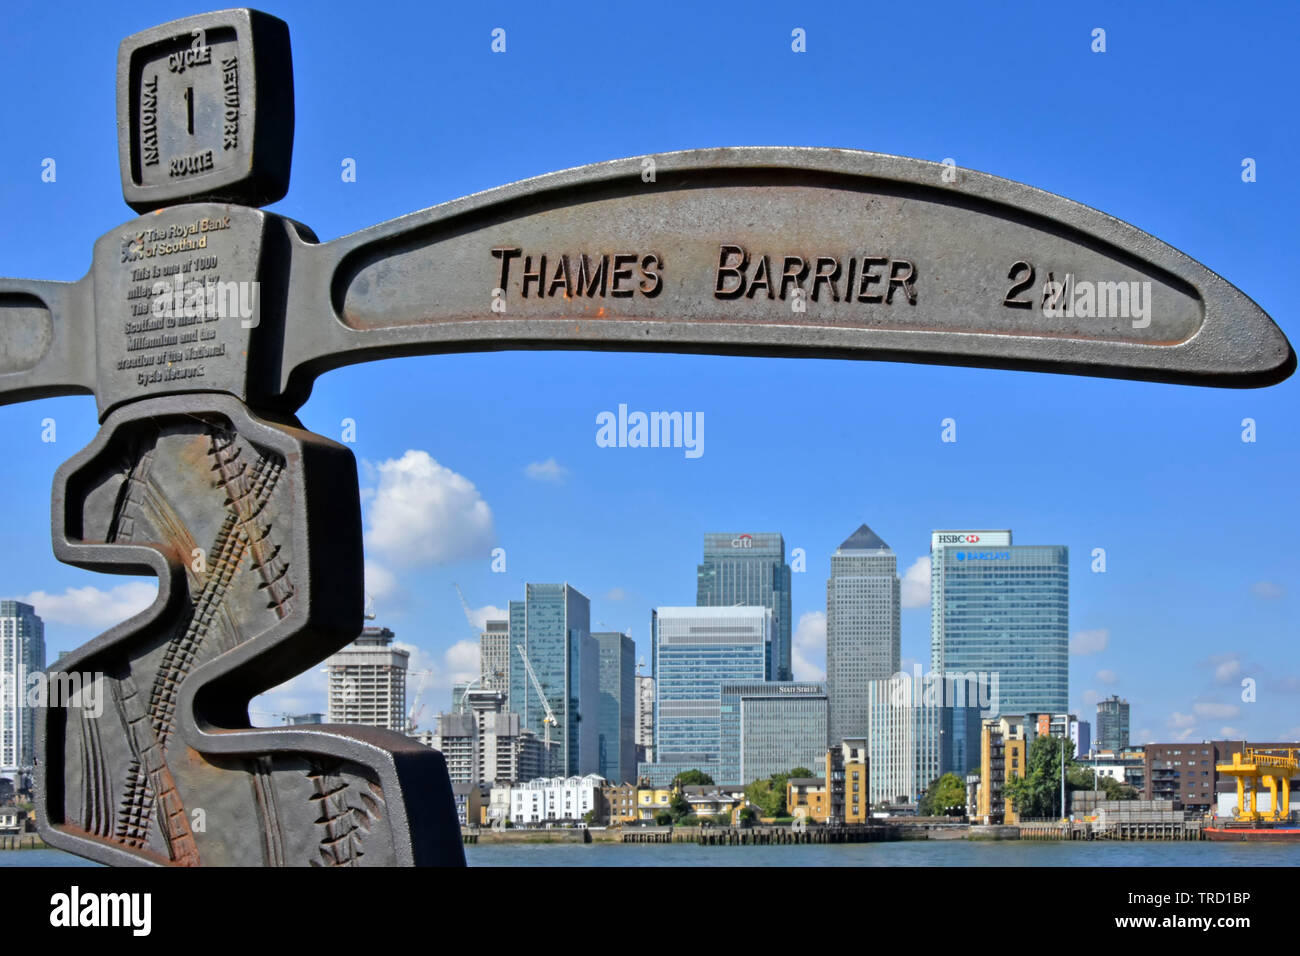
[918, 735]
[750, 569]
[1002, 609]
[862, 629]
[1112, 724]
[770, 727]
[697, 650]
[617, 733]
[553, 627]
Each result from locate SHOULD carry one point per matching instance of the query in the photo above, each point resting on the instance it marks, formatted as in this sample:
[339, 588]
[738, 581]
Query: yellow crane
[1274, 769]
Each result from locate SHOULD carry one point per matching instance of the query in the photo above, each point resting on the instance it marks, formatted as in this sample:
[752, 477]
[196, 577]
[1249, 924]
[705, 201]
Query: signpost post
[203, 323]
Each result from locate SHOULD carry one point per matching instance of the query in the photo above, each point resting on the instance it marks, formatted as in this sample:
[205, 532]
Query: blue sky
[1199, 527]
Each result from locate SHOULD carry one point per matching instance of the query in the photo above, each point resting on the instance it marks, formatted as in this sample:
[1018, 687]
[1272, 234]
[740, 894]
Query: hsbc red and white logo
[957, 539]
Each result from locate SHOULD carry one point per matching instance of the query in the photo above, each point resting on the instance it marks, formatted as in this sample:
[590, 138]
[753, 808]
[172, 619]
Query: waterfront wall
[1132, 829]
[523, 835]
[993, 832]
[758, 836]
[783, 835]
[22, 841]
[704, 836]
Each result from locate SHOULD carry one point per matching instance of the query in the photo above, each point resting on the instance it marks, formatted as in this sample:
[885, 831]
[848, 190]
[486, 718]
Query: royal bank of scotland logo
[133, 247]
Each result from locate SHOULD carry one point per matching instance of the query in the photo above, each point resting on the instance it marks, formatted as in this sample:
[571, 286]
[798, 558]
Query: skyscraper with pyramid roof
[862, 629]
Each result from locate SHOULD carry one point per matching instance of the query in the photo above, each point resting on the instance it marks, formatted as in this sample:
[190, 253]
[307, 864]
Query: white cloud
[419, 660]
[1144, 736]
[422, 513]
[1230, 733]
[92, 608]
[1226, 668]
[808, 655]
[425, 674]
[1268, 590]
[549, 470]
[488, 612]
[1107, 676]
[1212, 709]
[1185, 734]
[380, 582]
[1090, 642]
[457, 664]
[461, 661]
[1177, 719]
[915, 586]
[1090, 697]
[616, 594]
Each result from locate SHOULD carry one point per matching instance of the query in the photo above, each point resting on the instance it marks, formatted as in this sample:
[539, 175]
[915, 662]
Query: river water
[907, 853]
[904, 853]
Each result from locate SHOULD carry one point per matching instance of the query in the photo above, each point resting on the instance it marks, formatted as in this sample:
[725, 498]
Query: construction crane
[497, 677]
[417, 707]
[549, 719]
[469, 615]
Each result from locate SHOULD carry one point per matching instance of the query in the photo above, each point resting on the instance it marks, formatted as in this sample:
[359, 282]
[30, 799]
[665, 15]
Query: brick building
[1185, 771]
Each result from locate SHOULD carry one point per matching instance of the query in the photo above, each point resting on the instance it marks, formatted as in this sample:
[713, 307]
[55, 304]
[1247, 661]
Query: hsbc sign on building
[985, 539]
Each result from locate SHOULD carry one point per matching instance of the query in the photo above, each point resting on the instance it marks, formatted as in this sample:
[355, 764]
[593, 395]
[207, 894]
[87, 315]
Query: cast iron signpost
[203, 323]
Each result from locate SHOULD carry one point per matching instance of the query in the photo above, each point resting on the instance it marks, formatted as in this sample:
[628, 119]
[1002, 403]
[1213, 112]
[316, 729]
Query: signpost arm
[47, 339]
[776, 251]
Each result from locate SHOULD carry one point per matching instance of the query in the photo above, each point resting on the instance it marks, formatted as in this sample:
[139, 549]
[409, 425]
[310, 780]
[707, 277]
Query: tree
[679, 806]
[1038, 792]
[768, 801]
[692, 778]
[1081, 778]
[663, 818]
[747, 816]
[769, 795]
[1116, 790]
[944, 797]
[589, 818]
[722, 819]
